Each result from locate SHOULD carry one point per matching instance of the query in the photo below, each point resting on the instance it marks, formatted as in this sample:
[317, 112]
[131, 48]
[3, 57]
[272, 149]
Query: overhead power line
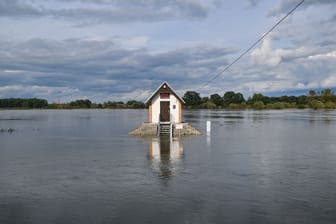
[253, 45]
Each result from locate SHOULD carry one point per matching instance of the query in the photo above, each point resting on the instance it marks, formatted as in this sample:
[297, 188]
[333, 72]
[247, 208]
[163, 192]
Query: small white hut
[164, 115]
[164, 105]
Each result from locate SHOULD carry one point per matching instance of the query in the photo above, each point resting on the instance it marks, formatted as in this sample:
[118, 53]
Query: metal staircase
[164, 129]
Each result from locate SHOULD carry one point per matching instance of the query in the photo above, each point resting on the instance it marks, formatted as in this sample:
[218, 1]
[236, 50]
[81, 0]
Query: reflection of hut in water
[163, 148]
[164, 115]
[165, 155]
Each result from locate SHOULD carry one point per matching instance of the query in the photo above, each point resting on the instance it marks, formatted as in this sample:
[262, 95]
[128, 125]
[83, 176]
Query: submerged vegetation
[325, 99]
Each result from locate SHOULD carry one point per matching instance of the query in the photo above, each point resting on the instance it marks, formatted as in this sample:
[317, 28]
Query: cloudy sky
[123, 49]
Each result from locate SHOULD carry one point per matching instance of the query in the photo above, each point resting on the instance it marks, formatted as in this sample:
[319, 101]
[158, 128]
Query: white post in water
[208, 127]
[208, 134]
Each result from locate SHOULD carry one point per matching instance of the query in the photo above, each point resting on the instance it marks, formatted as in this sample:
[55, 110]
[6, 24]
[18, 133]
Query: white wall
[156, 108]
[174, 112]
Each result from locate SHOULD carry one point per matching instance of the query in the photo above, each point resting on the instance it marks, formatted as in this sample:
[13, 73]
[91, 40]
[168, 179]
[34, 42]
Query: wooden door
[164, 111]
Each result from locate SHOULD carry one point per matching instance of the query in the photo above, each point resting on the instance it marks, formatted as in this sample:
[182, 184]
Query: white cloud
[13, 71]
[325, 56]
[329, 82]
[265, 55]
[139, 94]
[300, 85]
[45, 92]
[136, 42]
[264, 87]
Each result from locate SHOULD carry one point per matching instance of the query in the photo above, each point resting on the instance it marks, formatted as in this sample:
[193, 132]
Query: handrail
[171, 131]
[158, 127]
[171, 127]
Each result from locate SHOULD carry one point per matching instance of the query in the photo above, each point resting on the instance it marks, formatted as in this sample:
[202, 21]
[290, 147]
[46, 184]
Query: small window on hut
[164, 95]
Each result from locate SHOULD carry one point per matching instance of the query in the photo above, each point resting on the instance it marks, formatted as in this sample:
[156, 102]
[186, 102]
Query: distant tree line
[84, 104]
[34, 103]
[325, 99]
[29, 103]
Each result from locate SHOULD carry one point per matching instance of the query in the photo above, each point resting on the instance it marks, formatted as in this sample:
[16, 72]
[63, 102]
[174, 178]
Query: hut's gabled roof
[160, 89]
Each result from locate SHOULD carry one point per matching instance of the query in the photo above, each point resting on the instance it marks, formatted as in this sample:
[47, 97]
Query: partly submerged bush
[276, 106]
[301, 106]
[330, 105]
[235, 106]
[208, 105]
[316, 104]
[259, 105]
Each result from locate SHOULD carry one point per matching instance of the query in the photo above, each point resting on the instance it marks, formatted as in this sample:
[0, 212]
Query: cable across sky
[252, 46]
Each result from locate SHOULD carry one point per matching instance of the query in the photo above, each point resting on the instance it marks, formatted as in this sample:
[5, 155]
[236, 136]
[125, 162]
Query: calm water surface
[80, 166]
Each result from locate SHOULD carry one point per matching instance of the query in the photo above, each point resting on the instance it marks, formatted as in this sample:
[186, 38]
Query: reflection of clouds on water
[166, 156]
[324, 117]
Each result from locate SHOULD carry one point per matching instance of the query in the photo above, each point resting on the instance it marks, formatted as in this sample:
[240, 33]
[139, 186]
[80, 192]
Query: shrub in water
[234, 106]
[259, 105]
[208, 105]
[316, 104]
[301, 106]
[330, 105]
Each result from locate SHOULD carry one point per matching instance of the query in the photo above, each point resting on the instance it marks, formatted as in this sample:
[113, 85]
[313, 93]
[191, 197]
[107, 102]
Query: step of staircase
[164, 129]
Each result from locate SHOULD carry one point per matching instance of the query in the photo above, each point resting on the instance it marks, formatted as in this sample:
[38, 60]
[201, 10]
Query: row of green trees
[29, 103]
[84, 104]
[34, 103]
[231, 100]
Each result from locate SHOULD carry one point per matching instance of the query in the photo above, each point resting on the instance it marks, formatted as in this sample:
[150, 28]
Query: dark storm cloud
[103, 66]
[17, 8]
[173, 7]
[117, 11]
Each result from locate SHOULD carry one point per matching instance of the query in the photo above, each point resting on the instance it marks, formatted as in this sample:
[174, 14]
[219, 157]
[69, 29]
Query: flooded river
[81, 166]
